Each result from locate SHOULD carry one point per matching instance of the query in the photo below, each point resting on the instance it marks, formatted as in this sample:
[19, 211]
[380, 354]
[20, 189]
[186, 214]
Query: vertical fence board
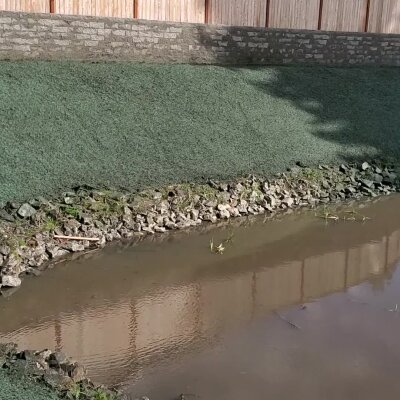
[238, 12]
[344, 15]
[384, 16]
[294, 14]
[39, 6]
[172, 10]
[101, 8]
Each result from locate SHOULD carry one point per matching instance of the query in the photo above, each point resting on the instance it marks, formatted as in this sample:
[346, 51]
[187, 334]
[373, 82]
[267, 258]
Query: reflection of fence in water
[210, 306]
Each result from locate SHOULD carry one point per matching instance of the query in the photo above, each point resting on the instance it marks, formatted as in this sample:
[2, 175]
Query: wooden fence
[344, 15]
[237, 12]
[382, 16]
[107, 8]
[296, 14]
[40, 6]
[172, 10]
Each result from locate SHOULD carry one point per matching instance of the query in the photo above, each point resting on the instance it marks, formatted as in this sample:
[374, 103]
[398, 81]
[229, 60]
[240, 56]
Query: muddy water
[294, 309]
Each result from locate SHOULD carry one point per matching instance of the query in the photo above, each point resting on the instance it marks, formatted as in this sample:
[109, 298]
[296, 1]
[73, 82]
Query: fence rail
[381, 16]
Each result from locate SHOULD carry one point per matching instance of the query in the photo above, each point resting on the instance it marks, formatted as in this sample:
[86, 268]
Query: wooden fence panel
[40, 6]
[101, 8]
[344, 15]
[237, 12]
[336, 15]
[384, 16]
[294, 14]
[172, 10]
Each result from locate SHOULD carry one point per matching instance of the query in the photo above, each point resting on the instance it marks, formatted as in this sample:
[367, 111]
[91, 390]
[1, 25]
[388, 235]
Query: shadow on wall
[223, 48]
[356, 108]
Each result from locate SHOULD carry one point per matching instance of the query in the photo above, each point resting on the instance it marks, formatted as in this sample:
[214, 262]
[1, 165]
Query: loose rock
[55, 369]
[5, 250]
[6, 216]
[26, 211]
[365, 166]
[73, 246]
[10, 281]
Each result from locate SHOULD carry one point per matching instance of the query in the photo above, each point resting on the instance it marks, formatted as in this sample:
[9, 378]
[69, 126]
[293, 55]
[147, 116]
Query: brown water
[294, 309]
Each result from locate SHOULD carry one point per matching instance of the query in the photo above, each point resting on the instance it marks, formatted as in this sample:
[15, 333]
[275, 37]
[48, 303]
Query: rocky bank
[64, 377]
[40, 231]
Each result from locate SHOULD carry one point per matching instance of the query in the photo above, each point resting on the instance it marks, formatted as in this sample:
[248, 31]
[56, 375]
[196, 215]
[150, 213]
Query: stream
[294, 308]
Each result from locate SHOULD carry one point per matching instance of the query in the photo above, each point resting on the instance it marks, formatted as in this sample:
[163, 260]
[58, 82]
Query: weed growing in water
[220, 248]
[346, 215]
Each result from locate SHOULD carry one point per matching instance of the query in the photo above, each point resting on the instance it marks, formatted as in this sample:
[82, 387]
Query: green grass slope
[20, 388]
[65, 124]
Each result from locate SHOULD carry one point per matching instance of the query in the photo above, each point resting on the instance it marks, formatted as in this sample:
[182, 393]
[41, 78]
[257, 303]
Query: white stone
[10, 281]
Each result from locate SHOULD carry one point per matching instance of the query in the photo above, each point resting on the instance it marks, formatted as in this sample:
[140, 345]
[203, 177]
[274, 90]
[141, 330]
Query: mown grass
[64, 124]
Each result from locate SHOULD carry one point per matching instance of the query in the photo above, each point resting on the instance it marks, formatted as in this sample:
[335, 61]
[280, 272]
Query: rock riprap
[64, 376]
[37, 232]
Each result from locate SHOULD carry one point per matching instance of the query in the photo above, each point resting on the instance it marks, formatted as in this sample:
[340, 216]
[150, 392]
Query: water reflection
[129, 311]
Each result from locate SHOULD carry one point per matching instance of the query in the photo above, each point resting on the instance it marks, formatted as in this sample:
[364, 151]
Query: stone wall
[45, 36]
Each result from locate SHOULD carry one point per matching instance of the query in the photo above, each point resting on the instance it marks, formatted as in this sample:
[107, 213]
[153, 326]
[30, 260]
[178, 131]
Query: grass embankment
[64, 124]
[20, 388]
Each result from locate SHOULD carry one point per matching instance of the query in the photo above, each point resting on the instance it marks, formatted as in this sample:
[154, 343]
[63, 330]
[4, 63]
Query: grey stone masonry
[49, 36]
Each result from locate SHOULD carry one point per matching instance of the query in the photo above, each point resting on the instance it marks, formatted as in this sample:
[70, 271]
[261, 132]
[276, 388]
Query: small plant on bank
[72, 211]
[80, 391]
[101, 394]
[74, 393]
[50, 225]
[311, 175]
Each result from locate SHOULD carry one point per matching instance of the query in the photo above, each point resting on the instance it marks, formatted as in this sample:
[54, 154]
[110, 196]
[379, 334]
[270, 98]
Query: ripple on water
[155, 319]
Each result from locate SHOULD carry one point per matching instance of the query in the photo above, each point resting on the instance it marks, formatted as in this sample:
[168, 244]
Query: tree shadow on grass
[358, 109]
